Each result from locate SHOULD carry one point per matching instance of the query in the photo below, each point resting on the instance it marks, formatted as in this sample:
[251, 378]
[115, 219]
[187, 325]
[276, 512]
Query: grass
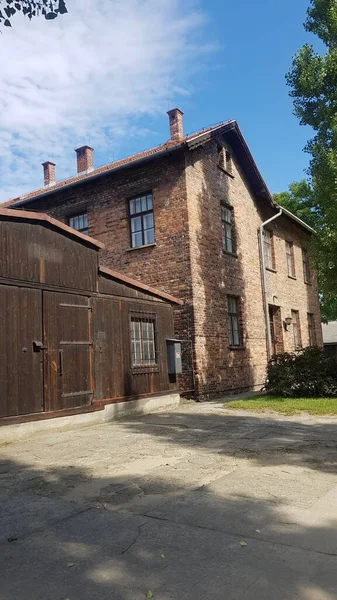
[287, 406]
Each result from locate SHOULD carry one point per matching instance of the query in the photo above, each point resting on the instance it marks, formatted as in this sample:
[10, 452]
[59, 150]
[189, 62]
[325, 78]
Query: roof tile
[115, 164]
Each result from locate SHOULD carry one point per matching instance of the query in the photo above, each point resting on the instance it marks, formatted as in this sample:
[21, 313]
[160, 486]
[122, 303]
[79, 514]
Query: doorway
[276, 331]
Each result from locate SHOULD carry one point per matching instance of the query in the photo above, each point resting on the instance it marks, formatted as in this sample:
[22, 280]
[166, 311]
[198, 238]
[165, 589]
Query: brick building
[187, 218]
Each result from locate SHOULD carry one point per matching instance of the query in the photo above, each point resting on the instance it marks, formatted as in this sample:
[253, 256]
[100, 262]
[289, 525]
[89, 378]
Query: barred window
[234, 333]
[79, 222]
[290, 259]
[143, 343]
[141, 220]
[227, 229]
[268, 248]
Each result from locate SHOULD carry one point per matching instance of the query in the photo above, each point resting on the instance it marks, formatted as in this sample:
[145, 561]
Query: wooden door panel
[68, 365]
[21, 362]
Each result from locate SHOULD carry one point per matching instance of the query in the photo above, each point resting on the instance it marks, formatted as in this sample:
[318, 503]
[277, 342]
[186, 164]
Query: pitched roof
[134, 158]
[6, 213]
[234, 135]
[142, 286]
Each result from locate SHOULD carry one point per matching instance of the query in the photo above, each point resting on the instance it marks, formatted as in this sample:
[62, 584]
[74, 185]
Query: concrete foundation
[111, 412]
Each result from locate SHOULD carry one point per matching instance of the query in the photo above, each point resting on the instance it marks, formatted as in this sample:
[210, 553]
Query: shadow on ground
[278, 441]
[177, 530]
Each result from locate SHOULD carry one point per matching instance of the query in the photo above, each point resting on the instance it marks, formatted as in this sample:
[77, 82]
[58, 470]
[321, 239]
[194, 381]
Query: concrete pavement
[196, 503]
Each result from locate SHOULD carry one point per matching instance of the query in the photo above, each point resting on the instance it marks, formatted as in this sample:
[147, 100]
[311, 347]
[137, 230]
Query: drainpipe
[264, 281]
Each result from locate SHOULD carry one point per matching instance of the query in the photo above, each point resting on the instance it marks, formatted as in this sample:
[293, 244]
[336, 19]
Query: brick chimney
[176, 124]
[48, 173]
[85, 159]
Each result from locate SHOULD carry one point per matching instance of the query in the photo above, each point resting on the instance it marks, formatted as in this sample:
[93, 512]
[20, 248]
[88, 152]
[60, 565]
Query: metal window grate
[143, 341]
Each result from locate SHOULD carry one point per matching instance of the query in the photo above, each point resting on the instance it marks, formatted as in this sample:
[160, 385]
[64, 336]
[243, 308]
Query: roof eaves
[95, 175]
[296, 219]
[42, 217]
[142, 286]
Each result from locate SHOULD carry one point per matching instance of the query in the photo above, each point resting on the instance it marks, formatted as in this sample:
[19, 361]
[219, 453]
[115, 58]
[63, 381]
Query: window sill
[226, 172]
[237, 347]
[271, 269]
[292, 277]
[141, 247]
[139, 370]
[307, 282]
[230, 253]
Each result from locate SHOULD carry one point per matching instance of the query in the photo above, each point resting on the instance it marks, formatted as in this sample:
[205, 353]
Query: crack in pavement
[238, 535]
[136, 538]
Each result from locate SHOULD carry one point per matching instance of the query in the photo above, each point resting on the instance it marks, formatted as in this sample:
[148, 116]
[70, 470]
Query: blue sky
[245, 80]
[107, 77]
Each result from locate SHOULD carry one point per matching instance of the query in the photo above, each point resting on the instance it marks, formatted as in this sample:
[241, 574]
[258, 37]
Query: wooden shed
[74, 336]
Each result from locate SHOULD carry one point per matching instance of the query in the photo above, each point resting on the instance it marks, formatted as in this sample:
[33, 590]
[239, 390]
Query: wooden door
[275, 322]
[21, 351]
[68, 359]
[272, 329]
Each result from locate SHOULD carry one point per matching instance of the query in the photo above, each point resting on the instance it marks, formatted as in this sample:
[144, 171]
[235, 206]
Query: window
[234, 334]
[296, 329]
[79, 222]
[290, 259]
[306, 267]
[311, 330]
[268, 249]
[141, 220]
[227, 229]
[224, 159]
[228, 157]
[221, 156]
[143, 345]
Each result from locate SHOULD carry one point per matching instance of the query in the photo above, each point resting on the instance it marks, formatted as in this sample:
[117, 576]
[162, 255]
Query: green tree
[313, 82]
[299, 199]
[50, 9]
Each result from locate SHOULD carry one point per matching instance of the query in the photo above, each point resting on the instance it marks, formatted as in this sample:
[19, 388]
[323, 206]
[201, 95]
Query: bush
[306, 373]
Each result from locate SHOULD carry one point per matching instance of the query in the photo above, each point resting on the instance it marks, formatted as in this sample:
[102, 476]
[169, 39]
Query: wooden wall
[31, 252]
[65, 339]
[114, 375]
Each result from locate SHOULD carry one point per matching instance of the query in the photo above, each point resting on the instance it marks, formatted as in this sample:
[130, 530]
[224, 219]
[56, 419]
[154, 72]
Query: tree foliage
[299, 200]
[313, 87]
[50, 9]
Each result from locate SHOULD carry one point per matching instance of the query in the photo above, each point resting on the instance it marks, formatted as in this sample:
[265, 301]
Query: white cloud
[87, 76]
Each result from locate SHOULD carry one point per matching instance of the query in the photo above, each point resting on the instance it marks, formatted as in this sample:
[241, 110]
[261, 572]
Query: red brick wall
[216, 274]
[165, 265]
[188, 262]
